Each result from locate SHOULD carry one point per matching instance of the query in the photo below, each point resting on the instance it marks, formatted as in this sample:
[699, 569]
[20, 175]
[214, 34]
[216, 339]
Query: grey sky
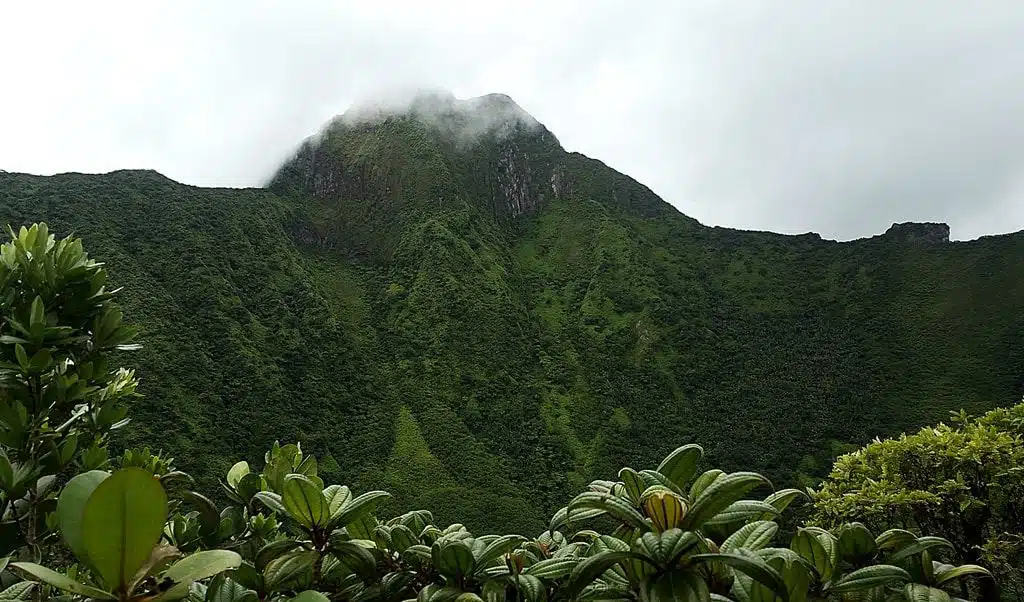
[833, 117]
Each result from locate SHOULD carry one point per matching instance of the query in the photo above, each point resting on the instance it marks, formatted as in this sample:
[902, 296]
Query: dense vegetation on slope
[451, 293]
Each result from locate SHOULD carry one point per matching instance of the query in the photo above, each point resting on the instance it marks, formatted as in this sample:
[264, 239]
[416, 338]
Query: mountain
[443, 302]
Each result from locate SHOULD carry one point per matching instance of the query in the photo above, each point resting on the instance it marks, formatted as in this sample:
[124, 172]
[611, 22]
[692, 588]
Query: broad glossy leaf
[589, 569]
[809, 547]
[498, 548]
[453, 559]
[665, 549]
[751, 536]
[274, 550]
[123, 519]
[272, 501]
[62, 581]
[357, 558]
[203, 565]
[236, 472]
[963, 570]
[633, 483]
[680, 465]
[922, 544]
[402, 537]
[615, 507]
[752, 566]
[675, 586]
[894, 538]
[742, 511]
[562, 517]
[868, 577]
[337, 496]
[248, 486]
[289, 569]
[310, 595]
[917, 592]
[856, 544]
[23, 590]
[229, 590]
[653, 477]
[531, 588]
[359, 507]
[304, 501]
[71, 508]
[784, 497]
[703, 481]
[552, 568]
[725, 490]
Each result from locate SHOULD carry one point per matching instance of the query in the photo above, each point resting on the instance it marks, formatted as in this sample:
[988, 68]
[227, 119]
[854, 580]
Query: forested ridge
[447, 305]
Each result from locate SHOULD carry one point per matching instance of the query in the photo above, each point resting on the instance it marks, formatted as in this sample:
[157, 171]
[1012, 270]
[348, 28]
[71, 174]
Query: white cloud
[836, 117]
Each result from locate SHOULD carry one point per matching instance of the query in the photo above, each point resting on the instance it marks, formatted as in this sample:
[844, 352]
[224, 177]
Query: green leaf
[665, 549]
[304, 501]
[22, 590]
[856, 544]
[453, 559]
[71, 507]
[703, 481]
[356, 557]
[894, 538]
[922, 544]
[498, 548]
[288, 569]
[229, 590]
[752, 566]
[402, 537]
[359, 507]
[310, 596]
[37, 319]
[633, 483]
[337, 496]
[868, 577]
[680, 465]
[122, 521]
[552, 568]
[741, 511]
[236, 472]
[61, 581]
[202, 565]
[249, 485]
[725, 490]
[752, 536]
[917, 592]
[942, 577]
[675, 586]
[562, 516]
[809, 547]
[272, 501]
[614, 506]
[588, 570]
[783, 498]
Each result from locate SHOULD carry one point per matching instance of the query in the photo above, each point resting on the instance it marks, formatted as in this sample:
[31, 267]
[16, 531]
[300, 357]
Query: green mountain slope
[456, 309]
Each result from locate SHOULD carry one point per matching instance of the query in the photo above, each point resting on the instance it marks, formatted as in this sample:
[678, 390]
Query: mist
[837, 118]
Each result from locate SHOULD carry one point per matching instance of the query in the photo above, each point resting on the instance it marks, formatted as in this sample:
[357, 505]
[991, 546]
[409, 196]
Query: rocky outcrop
[919, 232]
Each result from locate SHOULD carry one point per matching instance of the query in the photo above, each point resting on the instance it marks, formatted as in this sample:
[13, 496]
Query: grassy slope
[393, 312]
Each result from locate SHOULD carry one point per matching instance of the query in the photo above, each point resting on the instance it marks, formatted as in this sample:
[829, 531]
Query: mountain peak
[466, 118]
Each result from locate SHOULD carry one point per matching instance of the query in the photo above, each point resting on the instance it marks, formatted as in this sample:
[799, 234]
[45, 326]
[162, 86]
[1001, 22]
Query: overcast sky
[833, 117]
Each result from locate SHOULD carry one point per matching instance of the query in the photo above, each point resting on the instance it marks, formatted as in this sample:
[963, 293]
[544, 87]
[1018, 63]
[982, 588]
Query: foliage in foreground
[133, 528]
[963, 481]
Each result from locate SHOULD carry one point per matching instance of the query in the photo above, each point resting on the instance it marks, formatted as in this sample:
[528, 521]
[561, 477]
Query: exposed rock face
[920, 232]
